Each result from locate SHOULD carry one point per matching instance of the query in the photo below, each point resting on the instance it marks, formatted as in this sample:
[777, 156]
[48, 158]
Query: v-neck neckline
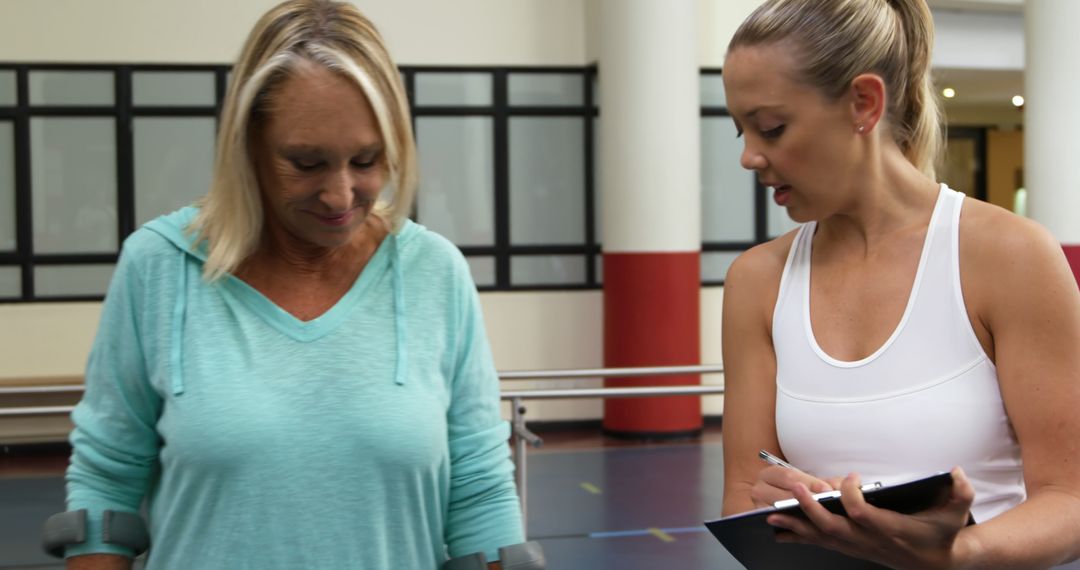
[306, 331]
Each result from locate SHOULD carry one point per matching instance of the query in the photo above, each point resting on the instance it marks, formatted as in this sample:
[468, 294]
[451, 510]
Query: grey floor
[634, 508]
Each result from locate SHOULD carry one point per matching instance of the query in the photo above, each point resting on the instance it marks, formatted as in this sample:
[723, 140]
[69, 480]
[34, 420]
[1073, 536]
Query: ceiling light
[949, 92]
[1018, 100]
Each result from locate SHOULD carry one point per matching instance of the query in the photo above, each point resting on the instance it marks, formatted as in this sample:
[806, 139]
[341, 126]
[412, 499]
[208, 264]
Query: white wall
[429, 32]
[434, 32]
[966, 40]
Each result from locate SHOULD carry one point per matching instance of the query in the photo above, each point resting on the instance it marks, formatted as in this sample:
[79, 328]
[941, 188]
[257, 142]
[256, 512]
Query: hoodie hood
[175, 228]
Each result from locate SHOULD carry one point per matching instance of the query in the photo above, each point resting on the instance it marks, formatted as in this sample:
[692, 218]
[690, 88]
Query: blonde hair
[332, 34]
[835, 41]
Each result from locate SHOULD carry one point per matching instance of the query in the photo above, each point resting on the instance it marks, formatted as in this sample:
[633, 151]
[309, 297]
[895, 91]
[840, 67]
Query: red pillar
[651, 318]
[1072, 253]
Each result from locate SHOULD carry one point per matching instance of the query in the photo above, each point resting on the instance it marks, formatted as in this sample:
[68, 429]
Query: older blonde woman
[292, 373]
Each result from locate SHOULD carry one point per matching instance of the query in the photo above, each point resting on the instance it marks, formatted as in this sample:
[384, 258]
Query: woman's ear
[867, 102]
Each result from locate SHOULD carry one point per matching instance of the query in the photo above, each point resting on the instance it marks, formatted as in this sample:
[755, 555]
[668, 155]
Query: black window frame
[501, 251]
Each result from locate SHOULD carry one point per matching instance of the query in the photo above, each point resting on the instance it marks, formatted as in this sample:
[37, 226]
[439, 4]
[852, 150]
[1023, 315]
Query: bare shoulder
[753, 281]
[997, 242]
[1008, 261]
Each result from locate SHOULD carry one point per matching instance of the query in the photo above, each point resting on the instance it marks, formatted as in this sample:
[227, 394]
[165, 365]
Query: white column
[649, 126]
[1052, 116]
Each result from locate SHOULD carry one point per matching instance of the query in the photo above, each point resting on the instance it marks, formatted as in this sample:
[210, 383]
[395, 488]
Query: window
[88, 153]
[507, 170]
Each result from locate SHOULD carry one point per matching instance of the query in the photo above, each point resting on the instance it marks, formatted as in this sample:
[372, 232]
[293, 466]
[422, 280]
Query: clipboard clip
[826, 495]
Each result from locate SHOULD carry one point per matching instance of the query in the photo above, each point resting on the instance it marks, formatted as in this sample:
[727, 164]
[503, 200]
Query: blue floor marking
[645, 532]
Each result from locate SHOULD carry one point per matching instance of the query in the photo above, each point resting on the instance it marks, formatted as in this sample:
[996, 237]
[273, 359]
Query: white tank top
[927, 400]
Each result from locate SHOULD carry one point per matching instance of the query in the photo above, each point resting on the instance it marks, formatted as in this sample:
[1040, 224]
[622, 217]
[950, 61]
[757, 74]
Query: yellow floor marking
[661, 535]
[589, 487]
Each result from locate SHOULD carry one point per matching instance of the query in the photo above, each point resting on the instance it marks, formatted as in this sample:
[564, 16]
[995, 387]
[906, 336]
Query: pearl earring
[862, 128]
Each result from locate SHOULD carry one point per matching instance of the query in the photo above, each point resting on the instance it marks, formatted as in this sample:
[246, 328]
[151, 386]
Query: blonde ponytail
[922, 139]
[835, 41]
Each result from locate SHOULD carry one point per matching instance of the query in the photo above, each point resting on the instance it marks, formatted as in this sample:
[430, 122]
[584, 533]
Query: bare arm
[750, 383]
[1032, 310]
[99, 562]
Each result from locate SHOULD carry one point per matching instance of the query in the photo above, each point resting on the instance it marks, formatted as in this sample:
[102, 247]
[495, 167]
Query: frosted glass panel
[172, 88]
[727, 189]
[712, 91]
[72, 88]
[547, 181]
[779, 221]
[547, 270]
[457, 178]
[8, 92]
[483, 270]
[7, 186]
[715, 264]
[10, 283]
[73, 172]
[470, 89]
[72, 280]
[174, 159]
[545, 89]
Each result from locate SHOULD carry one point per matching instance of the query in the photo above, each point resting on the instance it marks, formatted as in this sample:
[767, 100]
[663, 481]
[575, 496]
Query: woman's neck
[280, 254]
[890, 196]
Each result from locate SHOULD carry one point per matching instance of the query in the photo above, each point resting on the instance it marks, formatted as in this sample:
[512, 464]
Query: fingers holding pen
[777, 483]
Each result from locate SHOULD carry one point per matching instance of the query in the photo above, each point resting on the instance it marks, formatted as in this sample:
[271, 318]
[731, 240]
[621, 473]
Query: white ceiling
[983, 96]
[980, 86]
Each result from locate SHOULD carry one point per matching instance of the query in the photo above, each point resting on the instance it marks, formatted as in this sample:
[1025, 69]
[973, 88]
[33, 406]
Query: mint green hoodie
[369, 437]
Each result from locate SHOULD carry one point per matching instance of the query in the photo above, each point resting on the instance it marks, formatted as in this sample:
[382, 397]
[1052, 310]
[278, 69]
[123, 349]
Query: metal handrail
[30, 411]
[520, 434]
[609, 372]
[31, 390]
[567, 374]
[631, 392]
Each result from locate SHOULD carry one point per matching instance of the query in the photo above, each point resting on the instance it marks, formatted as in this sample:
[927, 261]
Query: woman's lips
[335, 220]
[781, 194]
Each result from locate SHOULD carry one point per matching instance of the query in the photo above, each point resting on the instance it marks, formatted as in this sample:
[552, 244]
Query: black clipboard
[750, 539]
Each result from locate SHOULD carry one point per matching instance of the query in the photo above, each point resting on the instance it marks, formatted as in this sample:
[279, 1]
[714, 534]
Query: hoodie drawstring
[179, 313]
[401, 367]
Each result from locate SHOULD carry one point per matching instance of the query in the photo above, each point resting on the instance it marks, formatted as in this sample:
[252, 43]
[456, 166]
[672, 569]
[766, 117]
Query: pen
[774, 460]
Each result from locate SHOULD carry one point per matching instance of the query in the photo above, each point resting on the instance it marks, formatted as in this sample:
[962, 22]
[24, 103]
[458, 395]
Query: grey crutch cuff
[524, 556]
[118, 528]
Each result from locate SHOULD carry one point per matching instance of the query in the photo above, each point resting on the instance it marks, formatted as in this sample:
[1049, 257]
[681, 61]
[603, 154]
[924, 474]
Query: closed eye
[305, 166]
[774, 133]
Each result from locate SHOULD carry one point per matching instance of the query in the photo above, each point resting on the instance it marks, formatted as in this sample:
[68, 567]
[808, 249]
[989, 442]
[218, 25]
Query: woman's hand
[924, 540]
[775, 483]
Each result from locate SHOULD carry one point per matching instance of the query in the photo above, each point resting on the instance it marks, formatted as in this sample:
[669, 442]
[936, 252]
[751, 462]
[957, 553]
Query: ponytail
[837, 40]
[920, 112]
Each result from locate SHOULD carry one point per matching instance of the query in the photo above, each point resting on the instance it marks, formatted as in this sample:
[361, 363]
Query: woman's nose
[751, 159]
[339, 191]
